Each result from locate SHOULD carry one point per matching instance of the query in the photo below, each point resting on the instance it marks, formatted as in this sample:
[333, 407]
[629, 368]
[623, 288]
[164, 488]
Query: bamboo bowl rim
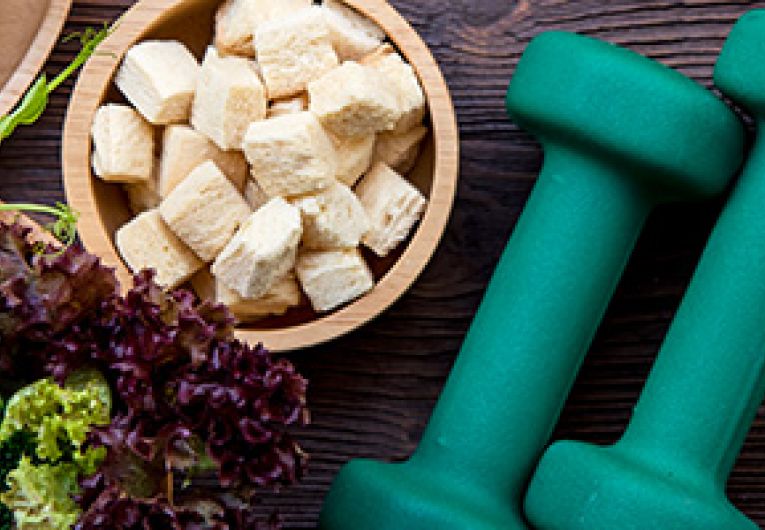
[35, 57]
[90, 91]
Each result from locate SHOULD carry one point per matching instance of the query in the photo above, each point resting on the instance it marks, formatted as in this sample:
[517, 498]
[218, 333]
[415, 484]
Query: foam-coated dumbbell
[669, 470]
[621, 133]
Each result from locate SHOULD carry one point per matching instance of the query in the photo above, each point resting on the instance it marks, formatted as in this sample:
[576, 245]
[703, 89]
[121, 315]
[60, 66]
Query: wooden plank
[372, 392]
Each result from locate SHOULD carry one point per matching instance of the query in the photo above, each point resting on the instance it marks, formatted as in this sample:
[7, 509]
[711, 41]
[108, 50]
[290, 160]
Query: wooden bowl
[28, 32]
[104, 209]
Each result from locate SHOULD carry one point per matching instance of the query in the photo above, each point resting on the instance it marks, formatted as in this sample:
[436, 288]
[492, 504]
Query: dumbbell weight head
[739, 71]
[559, 91]
[580, 486]
[617, 129]
[669, 470]
[375, 495]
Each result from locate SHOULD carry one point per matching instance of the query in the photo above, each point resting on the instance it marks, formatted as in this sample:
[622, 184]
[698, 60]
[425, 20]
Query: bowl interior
[192, 24]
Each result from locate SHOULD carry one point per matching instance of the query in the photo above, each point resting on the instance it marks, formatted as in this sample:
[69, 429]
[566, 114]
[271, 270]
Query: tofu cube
[123, 145]
[354, 157]
[354, 100]
[393, 206]
[293, 105]
[402, 81]
[144, 196]
[205, 210]
[146, 242]
[159, 78]
[334, 277]
[333, 218]
[353, 35]
[293, 51]
[290, 155]
[277, 301]
[400, 151]
[254, 194]
[262, 252]
[237, 20]
[184, 148]
[282, 296]
[229, 97]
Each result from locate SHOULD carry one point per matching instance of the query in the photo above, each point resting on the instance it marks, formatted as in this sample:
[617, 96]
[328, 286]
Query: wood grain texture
[372, 392]
[104, 208]
[28, 32]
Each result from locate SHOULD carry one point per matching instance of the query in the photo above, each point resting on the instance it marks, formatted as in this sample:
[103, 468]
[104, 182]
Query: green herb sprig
[64, 228]
[36, 99]
[34, 103]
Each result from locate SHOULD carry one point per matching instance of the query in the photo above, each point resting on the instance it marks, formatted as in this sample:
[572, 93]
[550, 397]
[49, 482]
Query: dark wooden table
[372, 392]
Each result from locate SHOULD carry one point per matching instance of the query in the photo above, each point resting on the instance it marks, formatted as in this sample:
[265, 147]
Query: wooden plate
[28, 31]
[104, 209]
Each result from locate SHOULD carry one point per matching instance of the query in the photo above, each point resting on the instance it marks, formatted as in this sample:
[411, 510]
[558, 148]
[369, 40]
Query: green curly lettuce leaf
[11, 451]
[59, 418]
[41, 496]
[45, 427]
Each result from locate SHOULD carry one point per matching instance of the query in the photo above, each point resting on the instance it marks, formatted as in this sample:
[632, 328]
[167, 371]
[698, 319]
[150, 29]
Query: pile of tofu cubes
[257, 175]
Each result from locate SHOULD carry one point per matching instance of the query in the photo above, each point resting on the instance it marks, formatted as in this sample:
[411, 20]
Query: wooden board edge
[35, 58]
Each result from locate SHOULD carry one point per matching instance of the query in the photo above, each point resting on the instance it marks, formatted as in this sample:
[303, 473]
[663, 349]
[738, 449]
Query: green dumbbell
[621, 134]
[669, 470]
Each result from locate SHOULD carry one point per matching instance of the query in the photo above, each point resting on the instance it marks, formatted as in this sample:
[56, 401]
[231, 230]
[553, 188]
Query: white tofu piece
[280, 107]
[293, 51]
[229, 97]
[400, 151]
[145, 195]
[393, 206]
[403, 82]
[354, 100]
[262, 252]
[334, 277]
[290, 155]
[237, 20]
[282, 296]
[146, 242]
[184, 148]
[353, 35]
[254, 194]
[123, 145]
[205, 211]
[159, 79]
[354, 157]
[333, 218]
[285, 294]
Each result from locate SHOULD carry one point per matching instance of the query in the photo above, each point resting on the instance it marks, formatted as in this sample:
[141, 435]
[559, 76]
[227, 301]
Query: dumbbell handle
[535, 324]
[709, 378]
